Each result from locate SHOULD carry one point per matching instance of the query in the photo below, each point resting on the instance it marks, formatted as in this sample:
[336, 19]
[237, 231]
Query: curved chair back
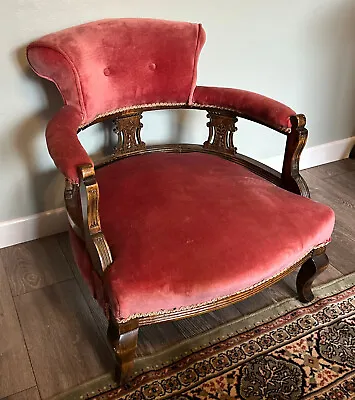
[106, 66]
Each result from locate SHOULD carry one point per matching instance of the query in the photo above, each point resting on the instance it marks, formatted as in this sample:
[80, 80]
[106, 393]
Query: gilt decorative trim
[132, 108]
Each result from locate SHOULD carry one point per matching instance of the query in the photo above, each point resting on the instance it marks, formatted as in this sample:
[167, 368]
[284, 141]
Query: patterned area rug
[306, 352]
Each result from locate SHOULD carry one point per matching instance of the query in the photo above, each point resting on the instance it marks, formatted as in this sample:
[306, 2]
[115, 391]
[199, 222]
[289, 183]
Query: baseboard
[317, 155]
[35, 226]
[55, 221]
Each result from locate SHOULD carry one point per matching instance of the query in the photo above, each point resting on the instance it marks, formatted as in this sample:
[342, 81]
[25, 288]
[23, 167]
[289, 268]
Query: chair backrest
[108, 65]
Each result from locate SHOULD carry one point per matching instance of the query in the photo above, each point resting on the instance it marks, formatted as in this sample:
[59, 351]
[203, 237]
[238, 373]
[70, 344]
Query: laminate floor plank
[29, 394]
[330, 274]
[36, 264]
[15, 367]
[61, 337]
[153, 338]
[344, 182]
[342, 204]
[332, 188]
[226, 314]
[341, 252]
[332, 169]
[279, 291]
[254, 303]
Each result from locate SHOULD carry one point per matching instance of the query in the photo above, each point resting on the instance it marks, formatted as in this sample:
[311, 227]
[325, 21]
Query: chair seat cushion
[189, 228]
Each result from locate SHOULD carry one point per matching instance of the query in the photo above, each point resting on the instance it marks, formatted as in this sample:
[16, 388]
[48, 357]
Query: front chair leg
[308, 273]
[123, 338]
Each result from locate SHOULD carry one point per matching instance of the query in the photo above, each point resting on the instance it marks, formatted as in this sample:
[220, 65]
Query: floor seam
[28, 353]
[21, 391]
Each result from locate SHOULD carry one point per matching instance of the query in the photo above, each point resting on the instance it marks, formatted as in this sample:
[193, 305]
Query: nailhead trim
[209, 302]
[136, 107]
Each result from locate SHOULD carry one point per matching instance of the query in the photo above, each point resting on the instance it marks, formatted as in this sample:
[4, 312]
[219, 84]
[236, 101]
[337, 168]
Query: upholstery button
[107, 71]
[152, 66]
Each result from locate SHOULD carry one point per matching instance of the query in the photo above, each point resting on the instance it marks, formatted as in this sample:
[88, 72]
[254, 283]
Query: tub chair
[164, 232]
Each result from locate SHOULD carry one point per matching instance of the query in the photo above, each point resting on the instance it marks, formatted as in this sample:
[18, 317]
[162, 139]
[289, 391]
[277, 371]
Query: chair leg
[123, 338]
[308, 273]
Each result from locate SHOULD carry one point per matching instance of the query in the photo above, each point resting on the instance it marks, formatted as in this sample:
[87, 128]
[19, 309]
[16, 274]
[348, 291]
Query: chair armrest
[63, 143]
[265, 111]
[95, 241]
[246, 104]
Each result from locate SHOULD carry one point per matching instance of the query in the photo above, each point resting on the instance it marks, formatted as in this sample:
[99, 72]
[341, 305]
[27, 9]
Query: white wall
[300, 52]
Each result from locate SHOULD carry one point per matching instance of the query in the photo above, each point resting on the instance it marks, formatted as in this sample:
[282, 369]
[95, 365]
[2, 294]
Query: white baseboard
[35, 226]
[317, 155]
[55, 221]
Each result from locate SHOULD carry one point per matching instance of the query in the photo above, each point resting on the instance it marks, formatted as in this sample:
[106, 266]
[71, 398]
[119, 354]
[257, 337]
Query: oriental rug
[286, 351]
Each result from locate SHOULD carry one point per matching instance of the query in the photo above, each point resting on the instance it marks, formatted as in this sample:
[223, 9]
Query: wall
[299, 52]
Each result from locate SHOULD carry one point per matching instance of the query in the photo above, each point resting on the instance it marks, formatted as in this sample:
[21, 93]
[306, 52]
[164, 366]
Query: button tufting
[107, 71]
[152, 66]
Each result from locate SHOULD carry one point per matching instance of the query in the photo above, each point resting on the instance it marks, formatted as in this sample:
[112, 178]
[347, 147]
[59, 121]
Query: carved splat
[221, 130]
[128, 128]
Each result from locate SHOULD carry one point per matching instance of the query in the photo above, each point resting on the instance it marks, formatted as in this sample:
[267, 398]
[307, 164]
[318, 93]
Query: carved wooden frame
[83, 212]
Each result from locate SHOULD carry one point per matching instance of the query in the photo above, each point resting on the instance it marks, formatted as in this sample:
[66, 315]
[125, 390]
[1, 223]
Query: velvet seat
[183, 229]
[170, 231]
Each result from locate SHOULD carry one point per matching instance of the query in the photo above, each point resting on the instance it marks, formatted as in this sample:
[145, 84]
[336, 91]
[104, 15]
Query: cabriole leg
[123, 338]
[308, 273]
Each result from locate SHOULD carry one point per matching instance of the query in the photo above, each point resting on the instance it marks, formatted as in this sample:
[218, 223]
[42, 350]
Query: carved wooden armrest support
[95, 241]
[296, 140]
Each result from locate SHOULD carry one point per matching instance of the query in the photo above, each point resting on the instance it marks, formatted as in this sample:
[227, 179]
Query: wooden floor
[52, 334]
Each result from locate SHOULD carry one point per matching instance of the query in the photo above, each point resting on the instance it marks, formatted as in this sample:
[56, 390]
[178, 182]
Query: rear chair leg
[308, 273]
[123, 338]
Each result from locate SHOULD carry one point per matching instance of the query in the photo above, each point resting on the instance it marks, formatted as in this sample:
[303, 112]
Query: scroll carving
[94, 239]
[128, 129]
[221, 130]
[296, 141]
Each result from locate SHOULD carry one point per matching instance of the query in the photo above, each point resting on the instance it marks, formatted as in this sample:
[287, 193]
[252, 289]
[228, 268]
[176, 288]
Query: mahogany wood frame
[83, 213]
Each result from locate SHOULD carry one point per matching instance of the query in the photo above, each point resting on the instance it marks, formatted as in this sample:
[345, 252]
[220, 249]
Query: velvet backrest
[105, 66]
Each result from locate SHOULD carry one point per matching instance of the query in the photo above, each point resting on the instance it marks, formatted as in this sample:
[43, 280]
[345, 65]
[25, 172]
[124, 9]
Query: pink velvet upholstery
[83, 261]
[188, 228]
[106, 65]
[247, 104]
[63, 144]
